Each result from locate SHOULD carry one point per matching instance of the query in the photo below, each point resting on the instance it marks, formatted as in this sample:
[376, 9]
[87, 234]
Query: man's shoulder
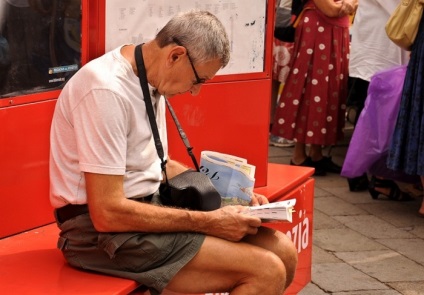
[107, 71]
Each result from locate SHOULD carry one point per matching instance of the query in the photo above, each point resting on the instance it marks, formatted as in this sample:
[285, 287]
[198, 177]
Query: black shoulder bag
[190, 189]
[285, 26]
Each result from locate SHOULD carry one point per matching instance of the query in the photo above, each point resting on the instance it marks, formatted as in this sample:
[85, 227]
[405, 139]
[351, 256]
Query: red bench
[31, 264]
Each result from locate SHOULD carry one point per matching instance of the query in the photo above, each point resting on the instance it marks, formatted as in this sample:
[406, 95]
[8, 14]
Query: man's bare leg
[281, 245]
[260, 264]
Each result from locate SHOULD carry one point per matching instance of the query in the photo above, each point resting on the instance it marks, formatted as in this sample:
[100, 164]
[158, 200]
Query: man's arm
[111, 211]
[174, 168]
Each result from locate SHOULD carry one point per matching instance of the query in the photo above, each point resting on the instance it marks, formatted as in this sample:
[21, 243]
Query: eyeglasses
[198, 79]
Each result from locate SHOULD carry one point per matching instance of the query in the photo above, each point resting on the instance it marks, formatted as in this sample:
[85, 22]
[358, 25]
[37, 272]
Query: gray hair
[200, 32]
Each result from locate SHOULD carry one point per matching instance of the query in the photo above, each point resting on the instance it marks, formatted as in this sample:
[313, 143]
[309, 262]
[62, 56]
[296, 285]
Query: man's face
[184, 75]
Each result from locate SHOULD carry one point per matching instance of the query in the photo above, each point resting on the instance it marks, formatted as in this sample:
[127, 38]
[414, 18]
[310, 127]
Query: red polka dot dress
[312, 105]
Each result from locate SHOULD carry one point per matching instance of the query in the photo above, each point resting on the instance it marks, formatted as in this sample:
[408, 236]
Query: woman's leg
[299, 153]
[300, 158]
[322, 164]
[315, 152]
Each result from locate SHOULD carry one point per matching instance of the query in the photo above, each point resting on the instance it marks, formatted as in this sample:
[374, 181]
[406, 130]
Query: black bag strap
[182, 135]
[149, 107]
[150, 112]
[297, 6]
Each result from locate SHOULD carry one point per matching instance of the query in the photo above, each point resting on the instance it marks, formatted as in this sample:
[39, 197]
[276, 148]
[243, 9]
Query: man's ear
[175, 54]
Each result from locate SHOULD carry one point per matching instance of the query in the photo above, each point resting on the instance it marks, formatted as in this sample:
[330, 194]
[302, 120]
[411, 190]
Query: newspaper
[232, 176]
[274, 212]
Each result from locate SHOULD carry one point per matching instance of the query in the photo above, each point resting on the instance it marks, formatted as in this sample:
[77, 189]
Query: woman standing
[372, 51]
[281, 55]
[406, 152]
[312, 108]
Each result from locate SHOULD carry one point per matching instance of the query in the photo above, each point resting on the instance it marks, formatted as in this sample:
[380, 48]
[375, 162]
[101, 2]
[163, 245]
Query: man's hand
[231, 223]
[258, 199]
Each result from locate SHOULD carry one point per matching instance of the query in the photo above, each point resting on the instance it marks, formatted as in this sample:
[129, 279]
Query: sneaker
[280, 141]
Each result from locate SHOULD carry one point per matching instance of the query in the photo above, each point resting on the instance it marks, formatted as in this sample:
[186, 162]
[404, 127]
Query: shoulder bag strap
[182, 135]
[149, 107]
[150, 112]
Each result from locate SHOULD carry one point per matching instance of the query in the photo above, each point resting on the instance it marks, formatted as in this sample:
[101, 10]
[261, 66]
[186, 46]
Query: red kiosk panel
[231, 114]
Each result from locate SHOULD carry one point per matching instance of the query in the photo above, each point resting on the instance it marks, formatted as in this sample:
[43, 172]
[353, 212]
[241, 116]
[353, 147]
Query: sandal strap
[382, 183]
[395, 193]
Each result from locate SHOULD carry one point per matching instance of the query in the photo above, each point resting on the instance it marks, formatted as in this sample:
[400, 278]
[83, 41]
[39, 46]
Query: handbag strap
[299, 16]
[150, 112]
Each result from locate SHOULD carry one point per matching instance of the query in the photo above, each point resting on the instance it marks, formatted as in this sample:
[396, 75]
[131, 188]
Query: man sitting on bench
[105, 173]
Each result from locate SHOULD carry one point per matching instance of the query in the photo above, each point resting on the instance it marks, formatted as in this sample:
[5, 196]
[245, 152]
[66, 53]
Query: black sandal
[395, 193]
[357, 184]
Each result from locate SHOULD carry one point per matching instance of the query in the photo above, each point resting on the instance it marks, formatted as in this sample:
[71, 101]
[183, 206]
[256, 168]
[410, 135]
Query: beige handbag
[402, 26]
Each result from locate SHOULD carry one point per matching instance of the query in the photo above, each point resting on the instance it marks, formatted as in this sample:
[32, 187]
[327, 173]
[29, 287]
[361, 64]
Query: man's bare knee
[274, 274]
[267, 277]
[290, 259]
[287, 252]
[282, 246]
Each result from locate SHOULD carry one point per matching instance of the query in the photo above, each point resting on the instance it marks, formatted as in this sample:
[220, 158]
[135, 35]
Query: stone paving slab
[407, 247]
[311, 289]
[277, 152]
[335, 206]
[338, 277]
[361, 246]
[373, 292]
[400, 214]
[386, 265]
[351, 197]
[373, 227]
[279, 160]
[418, 230]
[409, 288]
[330, 181]
[341, 240]
[321, 256]
[323, 221]
[319, 193]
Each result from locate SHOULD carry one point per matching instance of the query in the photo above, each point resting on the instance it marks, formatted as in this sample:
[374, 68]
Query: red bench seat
[30, 263]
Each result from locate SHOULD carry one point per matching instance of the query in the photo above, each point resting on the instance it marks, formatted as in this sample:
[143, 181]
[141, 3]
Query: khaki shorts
[151, 259]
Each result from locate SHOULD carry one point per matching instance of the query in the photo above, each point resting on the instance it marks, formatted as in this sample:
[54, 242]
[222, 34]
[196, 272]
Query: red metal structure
[231, 115]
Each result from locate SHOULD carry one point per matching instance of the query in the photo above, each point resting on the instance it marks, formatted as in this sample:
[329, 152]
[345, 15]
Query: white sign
[138, 21]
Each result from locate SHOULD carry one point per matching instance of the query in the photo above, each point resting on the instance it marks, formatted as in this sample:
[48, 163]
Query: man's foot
[280, 141]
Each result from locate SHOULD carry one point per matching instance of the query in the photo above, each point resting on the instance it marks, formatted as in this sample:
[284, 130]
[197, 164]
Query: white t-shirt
[371, 49]
[100, 125]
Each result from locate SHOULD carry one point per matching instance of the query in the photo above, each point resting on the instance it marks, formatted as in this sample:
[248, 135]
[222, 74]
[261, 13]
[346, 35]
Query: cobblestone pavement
[362, 246]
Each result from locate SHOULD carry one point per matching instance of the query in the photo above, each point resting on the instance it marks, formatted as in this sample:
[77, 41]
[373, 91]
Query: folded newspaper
[232, 176]
[274, 212]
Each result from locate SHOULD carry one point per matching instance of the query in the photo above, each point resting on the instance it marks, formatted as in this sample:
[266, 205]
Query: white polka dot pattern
[312, 104]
